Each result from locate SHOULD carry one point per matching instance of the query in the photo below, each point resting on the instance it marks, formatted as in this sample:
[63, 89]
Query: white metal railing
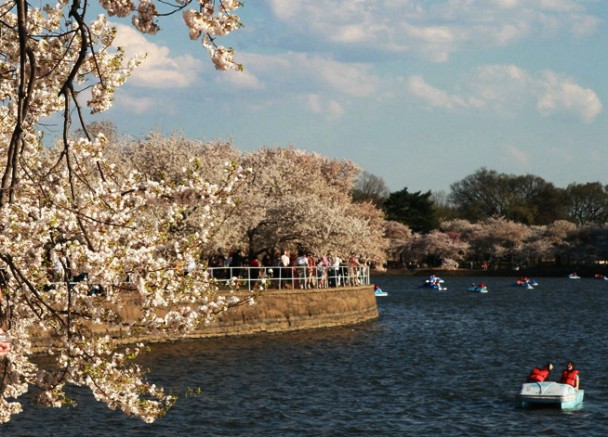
[292, 277]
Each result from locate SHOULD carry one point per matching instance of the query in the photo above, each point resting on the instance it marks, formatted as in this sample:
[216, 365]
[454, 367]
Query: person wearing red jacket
[539, 375]
[570, 376]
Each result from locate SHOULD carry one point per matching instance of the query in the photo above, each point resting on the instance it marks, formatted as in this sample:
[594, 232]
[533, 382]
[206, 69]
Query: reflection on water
[435, 363]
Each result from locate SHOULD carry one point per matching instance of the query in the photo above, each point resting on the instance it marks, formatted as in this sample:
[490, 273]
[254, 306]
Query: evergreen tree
[415, 210]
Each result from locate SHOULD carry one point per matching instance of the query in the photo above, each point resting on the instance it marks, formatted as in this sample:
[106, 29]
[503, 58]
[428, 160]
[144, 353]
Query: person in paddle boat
[570, 376]
[482, 285]
[377, 289]
[539, 375]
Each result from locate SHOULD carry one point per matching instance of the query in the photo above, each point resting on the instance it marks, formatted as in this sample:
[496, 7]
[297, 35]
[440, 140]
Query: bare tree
[370, 188]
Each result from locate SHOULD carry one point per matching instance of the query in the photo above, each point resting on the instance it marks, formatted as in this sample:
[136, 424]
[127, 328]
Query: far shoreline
[554, 271]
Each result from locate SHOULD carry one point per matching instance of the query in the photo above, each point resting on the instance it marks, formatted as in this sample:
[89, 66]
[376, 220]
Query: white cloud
[584, 25]
[308, 73]
[137, 105]
[562, 96]
[351, 79]
[319, 105]
[508, 90]
[417, 86]
[430, 94]
[507, 4]
[503, 88]
[433, 30]
[516, 155]
[560, 5]
[160, 69]
[240, 79]
[436, 42]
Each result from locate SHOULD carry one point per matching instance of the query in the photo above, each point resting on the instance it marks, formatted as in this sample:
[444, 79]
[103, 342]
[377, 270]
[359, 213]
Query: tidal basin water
[434, 363]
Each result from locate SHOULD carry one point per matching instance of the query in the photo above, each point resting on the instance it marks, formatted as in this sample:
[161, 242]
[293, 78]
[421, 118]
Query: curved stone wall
[275, 311]
[287, 310]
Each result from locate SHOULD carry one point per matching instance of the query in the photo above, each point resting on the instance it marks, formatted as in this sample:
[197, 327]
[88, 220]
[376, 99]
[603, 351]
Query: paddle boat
[433, 282]
[600, 276]
[549, 393]
[525, 283]
[574, 276]
[378, 292]
[481, 288]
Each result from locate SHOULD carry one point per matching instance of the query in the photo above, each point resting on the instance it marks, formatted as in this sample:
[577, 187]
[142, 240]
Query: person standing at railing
[267, 271]
[353, 270]
[62, 268]
[217, 263]
[284, 270]
[322, 268]
[301, 268]
[311, 279]
[254, 271]
[335, 272]
[236, 264]
[189, 267]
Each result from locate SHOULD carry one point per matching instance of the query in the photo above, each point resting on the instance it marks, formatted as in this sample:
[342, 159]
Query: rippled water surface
[434, 363]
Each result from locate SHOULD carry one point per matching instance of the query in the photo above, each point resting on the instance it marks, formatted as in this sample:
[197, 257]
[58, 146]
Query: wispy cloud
[302, 72]
[432, 95]
[563, 96]
[507, 89]
[433, 30]
[436, 97]
[160, 69]
[318, 104]
[137, 105]
[514, 154]
[240, 79]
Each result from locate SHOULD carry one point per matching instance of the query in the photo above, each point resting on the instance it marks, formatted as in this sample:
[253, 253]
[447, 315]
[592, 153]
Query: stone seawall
[275, 311]
[284, 311]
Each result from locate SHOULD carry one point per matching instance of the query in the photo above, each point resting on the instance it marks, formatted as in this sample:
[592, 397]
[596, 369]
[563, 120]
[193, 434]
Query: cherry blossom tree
[397, 235]
[297, 198]
[549, 243]
[70, 211]
[436, 249]
[293, 198]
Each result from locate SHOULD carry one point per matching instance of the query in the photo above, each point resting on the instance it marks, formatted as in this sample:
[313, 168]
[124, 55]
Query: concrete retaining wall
[275, 311]
[288, 310]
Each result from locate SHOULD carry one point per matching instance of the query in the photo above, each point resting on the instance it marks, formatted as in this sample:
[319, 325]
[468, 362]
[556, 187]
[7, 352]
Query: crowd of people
[293, 269]
[282, 269]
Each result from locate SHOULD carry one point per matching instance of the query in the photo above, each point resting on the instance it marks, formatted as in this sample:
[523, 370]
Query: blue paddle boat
[525, 283]
[477, 289]
[378, 291]
[434, 282]
[549, 393]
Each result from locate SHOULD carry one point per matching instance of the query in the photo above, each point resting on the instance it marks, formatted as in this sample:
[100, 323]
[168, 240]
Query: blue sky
[420, 93]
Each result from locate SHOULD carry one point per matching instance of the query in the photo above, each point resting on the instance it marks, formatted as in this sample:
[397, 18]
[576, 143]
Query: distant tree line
[298, 199]
[504, 219]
